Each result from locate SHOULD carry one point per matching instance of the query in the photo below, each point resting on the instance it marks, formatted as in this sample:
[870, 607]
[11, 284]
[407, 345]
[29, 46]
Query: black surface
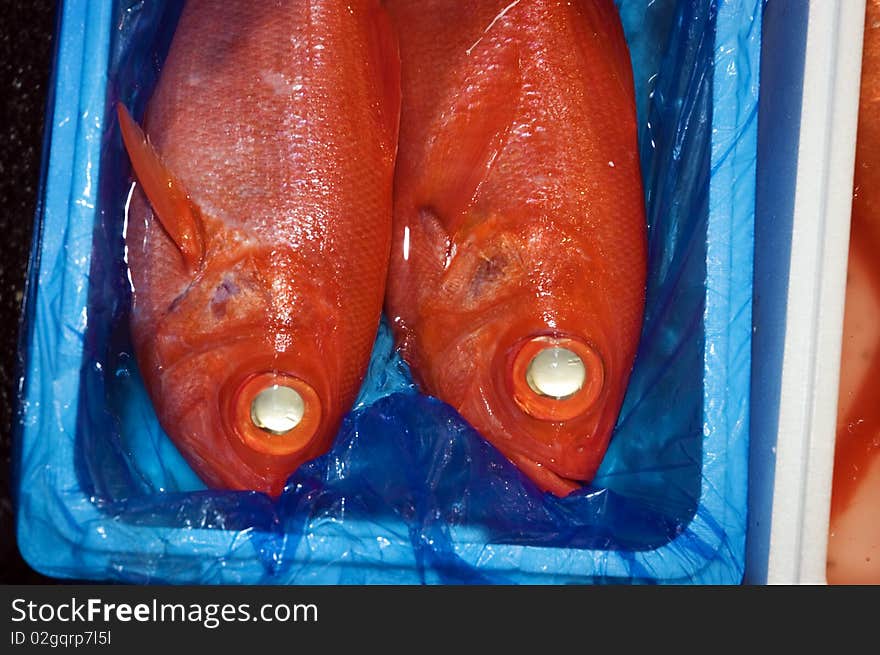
[26, 47]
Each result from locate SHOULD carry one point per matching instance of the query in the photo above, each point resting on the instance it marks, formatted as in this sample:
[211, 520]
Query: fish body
[258, 236]
[854, 542]
[519, 233]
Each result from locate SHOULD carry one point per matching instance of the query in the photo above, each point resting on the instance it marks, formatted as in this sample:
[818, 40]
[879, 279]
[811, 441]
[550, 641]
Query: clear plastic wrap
[409, 492]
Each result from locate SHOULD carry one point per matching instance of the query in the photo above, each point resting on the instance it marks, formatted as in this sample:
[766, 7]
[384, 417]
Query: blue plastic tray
[63, 529]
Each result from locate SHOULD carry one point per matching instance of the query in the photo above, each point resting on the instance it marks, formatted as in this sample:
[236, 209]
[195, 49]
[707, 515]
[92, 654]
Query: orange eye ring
[276, 414]
[556, 378]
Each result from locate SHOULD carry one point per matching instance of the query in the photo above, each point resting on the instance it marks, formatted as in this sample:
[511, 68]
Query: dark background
[27, 30]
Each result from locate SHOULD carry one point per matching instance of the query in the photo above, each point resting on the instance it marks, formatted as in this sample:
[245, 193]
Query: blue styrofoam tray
[63, 529]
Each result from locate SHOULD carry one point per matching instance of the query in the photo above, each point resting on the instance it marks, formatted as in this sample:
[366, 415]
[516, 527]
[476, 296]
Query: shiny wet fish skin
[283, 134]
[519, 221]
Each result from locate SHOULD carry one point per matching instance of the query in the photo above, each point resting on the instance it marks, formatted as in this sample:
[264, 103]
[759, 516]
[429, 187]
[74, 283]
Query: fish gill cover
[409, 492]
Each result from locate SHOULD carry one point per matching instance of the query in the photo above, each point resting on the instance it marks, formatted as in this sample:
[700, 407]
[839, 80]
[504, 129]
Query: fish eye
[274, 413]
[277, 409]
[556, 372]
[556, 378]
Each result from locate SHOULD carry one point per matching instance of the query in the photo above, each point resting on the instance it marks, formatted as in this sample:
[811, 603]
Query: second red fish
[518, 266]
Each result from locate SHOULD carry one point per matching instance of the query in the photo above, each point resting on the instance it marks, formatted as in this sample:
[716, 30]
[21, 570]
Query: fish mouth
[545, 478]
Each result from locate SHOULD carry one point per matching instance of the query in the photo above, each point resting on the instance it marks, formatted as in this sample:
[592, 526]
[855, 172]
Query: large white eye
[277, 409]
[556, 373]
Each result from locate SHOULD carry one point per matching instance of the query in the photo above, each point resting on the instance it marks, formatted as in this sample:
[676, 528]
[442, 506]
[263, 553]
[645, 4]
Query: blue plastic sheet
[409, 493]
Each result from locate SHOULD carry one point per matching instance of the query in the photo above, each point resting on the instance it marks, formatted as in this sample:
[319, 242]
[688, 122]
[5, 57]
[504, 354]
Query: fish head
[224, 321]
[530, 350]
[234, 379]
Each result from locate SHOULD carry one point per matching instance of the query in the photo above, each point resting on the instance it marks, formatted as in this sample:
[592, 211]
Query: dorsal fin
[171, 203]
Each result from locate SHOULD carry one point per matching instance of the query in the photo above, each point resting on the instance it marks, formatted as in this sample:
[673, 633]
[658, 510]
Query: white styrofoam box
[807, 130]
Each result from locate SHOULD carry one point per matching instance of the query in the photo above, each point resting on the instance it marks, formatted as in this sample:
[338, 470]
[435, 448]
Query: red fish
[258, 250]
[854, 543]
[517, 276]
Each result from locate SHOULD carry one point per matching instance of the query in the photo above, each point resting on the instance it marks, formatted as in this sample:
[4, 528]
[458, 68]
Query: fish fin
[472, 132]
[434, 233]
[385, 57]
[178, 215]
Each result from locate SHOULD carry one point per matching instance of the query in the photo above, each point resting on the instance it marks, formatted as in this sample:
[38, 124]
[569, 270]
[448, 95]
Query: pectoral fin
[472, 132]
[385, 59]
[178, 215]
